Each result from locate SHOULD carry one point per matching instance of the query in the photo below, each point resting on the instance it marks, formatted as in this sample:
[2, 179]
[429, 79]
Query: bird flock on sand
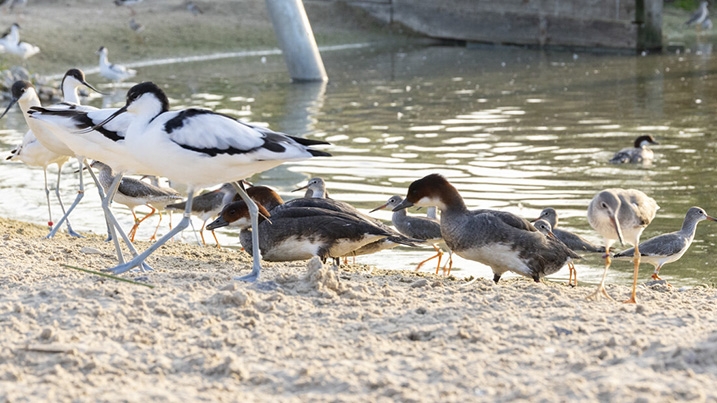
[201, 148]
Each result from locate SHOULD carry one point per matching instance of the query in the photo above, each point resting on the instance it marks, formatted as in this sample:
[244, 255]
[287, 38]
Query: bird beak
[711, 218]
[86, 84]
[301, 188]
[83, 168]
[10, 105]
[263, 212]
[379, 208]
[551, 235]
[218, 223]
[616, 224]
[104, 122]
[404, 204]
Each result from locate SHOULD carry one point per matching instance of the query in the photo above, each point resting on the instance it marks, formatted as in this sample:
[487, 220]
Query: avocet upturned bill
[24, 94]
[59, 124]
[201, 148]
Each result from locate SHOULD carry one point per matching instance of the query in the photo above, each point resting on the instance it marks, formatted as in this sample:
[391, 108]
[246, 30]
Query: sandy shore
[305, 335]
[69, 32]
[308, 332]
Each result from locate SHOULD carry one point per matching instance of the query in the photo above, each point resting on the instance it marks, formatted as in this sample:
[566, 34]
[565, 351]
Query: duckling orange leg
[656, 274]
[137, 223]
[134, 227]
[636, 260]
[439, 254]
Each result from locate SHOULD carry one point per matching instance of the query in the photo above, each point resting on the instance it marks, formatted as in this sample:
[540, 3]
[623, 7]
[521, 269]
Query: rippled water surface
[512, 129]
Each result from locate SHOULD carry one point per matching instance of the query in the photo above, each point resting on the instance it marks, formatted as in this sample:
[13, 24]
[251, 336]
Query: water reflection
[513, 129]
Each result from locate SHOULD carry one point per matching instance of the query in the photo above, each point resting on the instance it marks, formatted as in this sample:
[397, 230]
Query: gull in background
[114, 72]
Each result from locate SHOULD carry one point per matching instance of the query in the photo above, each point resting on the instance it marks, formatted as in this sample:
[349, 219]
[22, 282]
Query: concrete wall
[626, 24]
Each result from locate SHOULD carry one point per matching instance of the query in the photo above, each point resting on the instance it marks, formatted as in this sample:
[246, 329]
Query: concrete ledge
[622, 24]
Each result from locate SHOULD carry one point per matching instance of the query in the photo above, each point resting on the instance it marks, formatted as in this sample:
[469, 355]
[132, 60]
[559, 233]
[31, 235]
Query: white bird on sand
[200, 148]
[11, 36]
[11, 43]
[48, 149]
[59, 125]
[114, 72]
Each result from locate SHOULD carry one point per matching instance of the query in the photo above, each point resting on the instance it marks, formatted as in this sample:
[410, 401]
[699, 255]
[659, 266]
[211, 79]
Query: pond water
[513, 129]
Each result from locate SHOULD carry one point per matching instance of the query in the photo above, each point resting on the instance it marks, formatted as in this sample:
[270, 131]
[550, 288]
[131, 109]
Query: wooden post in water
[296, 40]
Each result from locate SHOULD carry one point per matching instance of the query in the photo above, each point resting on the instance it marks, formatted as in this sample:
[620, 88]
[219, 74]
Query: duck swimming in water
[639, 154]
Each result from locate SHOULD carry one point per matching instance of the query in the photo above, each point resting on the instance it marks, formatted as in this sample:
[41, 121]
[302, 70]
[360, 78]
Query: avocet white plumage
[44, 144]
[11, 36]
[10, 43]
[201, 148]
[59, 124]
